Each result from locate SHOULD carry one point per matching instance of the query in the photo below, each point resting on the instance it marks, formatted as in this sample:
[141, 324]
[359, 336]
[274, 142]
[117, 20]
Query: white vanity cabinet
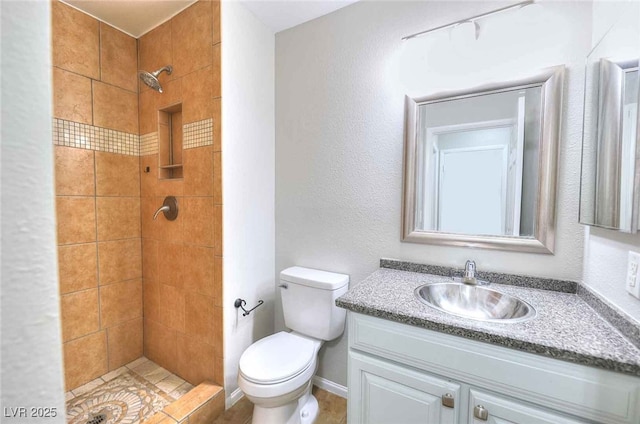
[401, 374]
[504, 411]
[391, 393]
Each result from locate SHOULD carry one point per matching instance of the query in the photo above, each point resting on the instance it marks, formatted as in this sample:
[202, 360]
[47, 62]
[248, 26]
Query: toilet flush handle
[284, 286]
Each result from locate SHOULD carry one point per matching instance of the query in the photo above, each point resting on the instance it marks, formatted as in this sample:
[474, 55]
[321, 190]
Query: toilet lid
[277, 358]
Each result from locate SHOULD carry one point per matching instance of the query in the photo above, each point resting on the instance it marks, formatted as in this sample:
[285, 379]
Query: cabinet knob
[481, 413]
[448, 400]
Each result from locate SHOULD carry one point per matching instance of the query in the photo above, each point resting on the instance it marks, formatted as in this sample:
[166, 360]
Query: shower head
[151, 78]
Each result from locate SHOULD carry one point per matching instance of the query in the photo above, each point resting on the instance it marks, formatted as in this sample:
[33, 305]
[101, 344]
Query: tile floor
[159, 385]
[333, 410]
[127, 399]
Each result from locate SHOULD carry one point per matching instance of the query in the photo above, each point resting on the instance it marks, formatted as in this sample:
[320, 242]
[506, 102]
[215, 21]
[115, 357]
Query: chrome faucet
[469, 276]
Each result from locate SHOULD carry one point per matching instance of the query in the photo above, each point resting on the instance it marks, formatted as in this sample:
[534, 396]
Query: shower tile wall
[105, 201]
[98, 196]
[182, 259]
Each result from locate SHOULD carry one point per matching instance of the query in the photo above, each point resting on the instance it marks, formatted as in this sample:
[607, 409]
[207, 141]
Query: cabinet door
[382, 392]
[507, 411]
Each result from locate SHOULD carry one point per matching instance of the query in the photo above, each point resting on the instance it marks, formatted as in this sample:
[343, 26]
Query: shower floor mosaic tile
[128, 395]
[127, 399]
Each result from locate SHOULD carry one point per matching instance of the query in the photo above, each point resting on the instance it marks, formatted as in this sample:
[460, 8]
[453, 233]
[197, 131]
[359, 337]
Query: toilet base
[301, 411]
[309, 411]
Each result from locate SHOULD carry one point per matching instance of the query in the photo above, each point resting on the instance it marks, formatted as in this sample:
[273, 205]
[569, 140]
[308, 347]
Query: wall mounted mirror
[480, 165]
[610, 189]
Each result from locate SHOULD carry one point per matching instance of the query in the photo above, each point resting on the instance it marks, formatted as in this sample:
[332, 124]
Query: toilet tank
[309, 301]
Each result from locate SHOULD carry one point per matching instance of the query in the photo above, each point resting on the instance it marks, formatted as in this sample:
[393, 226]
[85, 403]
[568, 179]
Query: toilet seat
[278, 358]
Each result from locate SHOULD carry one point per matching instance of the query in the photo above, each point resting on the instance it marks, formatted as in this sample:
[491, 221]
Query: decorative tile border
[149, 144]
[197, 134]
[84, 136]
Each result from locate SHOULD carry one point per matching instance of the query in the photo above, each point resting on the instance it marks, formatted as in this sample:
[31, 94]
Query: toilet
[275, 373]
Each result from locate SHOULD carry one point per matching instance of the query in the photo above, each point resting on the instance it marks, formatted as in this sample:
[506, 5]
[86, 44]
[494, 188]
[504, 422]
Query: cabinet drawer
[501, 410]
[587, 392]
[381, 392]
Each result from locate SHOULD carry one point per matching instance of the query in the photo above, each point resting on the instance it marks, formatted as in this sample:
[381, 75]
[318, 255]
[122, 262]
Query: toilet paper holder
[240, 303]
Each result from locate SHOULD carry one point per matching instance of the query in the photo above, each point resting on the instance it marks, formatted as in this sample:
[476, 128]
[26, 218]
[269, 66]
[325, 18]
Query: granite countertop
[565, 327]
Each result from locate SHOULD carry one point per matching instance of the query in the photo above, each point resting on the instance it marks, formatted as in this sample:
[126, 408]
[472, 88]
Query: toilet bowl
[276, 372]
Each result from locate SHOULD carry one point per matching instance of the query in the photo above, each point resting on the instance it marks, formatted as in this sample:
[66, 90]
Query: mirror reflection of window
[478, 161]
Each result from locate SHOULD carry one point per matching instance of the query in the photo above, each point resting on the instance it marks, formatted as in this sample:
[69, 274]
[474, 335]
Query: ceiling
[136, 17]
[284, 14]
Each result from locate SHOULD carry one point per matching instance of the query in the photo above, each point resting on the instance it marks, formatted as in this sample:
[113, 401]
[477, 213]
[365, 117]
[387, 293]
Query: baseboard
[322, 383]
[330, 386]
[234, 397]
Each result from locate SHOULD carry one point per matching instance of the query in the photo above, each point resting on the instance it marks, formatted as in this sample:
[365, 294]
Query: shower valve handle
[162, 209]
[169, 208]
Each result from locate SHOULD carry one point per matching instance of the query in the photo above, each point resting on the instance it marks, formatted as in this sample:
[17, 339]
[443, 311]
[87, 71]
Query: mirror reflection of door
[474, 194]
[475, 166]
[480, 165]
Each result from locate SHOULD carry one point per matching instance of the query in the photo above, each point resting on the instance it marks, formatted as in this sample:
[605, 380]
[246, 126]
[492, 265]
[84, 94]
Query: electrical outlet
[633, 274]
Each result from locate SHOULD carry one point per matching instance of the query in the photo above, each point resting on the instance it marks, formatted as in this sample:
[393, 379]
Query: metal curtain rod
[472, 19]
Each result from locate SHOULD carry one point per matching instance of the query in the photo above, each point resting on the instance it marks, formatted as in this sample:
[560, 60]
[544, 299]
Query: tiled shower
[130, 285]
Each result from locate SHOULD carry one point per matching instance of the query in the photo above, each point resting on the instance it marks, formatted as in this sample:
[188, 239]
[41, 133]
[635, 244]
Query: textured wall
[248, 143]
[606, 251]
[31, 338]
[98, 194]
[340, 84]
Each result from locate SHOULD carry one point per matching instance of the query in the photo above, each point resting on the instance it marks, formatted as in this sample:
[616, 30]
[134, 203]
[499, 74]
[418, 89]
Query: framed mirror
[480, 165]
[610, 188]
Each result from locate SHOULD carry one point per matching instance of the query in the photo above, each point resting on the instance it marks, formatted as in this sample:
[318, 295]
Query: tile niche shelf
[170, 142]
